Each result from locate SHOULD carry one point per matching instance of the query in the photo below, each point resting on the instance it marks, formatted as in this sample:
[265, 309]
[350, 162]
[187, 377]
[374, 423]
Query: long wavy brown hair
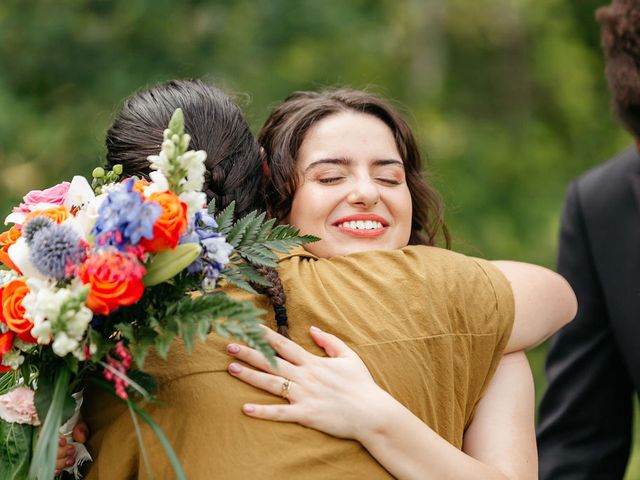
[285, 129]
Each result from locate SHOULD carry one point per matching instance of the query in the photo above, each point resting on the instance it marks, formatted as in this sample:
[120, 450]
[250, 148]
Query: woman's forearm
[498, 444]
[409, 449]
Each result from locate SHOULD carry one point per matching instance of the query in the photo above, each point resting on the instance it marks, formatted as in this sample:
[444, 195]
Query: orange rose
[12, 313]
[171, 224]
[6, 342]
[115, 279]
[140, 185]
[57, 214]
[7, 239]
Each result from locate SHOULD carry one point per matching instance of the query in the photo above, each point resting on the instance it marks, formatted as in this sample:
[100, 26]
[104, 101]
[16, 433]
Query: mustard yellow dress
[431, 325]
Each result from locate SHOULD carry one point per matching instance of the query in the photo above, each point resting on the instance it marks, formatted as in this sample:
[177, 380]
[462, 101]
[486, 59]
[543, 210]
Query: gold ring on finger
[286, 387]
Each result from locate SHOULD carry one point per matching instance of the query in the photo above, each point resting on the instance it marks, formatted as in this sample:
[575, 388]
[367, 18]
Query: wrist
[381, 413]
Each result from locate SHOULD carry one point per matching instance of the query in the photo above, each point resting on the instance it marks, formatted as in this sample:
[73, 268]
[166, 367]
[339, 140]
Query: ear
[266, 171]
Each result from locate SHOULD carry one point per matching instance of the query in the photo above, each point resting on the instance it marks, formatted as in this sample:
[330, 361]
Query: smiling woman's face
[352, 191]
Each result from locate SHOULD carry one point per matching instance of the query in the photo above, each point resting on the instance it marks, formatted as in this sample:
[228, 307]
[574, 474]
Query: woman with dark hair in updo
[593, 365]
[411, 396]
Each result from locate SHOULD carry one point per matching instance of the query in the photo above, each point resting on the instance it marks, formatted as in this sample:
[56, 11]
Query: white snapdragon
[42, 306]
[78, 321]
[159, 183]
[194, 202]
[63, 344]
[177, 169]
[193, 163]
[57, 313]
[13, 359]
[160, 162]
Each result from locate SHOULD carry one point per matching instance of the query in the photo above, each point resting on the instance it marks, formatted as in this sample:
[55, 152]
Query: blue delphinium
[54, 248]
[215, 249]
[124, 218]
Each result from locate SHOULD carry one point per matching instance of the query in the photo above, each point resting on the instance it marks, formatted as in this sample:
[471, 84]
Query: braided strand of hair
[277, 296]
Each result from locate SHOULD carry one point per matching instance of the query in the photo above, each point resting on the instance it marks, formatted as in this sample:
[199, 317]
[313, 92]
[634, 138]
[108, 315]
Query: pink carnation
[53, 196]
[17, 406]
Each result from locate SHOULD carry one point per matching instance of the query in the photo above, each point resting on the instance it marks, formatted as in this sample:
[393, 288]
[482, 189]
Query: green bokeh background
[507, 97]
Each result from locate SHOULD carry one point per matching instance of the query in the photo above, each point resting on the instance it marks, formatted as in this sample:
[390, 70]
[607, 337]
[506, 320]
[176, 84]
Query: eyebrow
[347, 161]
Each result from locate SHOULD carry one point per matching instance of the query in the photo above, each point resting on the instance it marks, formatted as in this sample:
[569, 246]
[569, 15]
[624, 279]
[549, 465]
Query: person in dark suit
[593, 366]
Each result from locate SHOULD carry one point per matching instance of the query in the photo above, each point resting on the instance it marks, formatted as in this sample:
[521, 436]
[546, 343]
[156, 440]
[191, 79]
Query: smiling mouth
[361, 225]
[361, 228]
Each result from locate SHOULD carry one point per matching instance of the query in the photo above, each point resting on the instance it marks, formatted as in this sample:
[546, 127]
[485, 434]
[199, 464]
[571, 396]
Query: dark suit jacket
[593, 367]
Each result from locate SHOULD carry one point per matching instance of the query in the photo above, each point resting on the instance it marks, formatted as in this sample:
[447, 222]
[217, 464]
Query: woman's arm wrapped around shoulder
[544, 302]
[338, 396]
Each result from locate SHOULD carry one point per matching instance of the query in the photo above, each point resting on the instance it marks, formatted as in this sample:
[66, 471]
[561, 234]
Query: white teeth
[361, 225]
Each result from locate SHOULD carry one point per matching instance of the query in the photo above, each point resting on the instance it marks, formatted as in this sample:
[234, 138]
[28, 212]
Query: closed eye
[330, 180]
[389, 181]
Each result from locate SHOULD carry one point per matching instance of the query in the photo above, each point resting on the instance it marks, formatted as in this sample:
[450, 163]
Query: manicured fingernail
[235, 368]
[315, 329]
[62, 442]
[248, 408]
[69, 462]
[71, 450]
[233, 348]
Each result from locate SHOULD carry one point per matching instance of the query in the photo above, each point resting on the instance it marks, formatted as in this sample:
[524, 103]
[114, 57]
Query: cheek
[403, 214]
[306, 210]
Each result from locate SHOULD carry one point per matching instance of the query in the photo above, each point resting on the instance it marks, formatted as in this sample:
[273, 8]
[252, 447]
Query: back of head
[216, 125]
[285, 129]
[620, 23]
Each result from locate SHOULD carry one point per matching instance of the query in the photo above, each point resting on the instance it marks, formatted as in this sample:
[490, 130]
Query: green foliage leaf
[166, 265]
[15, 450]
[44, 455]
[224, 219]
[239, 228]
[143, 379]
[211, 208]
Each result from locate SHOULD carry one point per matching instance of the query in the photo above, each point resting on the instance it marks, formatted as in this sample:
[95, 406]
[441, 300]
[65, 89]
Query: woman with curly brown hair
[593, 367]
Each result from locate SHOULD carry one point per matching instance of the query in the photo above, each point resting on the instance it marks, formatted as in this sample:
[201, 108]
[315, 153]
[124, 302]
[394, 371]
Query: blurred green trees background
[507, 97]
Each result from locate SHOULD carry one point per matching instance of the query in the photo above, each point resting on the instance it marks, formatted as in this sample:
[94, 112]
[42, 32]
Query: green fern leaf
[237, 232]
[224, 219]
[251, 232]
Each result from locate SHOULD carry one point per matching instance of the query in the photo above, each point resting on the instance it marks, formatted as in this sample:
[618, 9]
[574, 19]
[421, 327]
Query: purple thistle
[34, 225]
[54, 249]
[124, 218]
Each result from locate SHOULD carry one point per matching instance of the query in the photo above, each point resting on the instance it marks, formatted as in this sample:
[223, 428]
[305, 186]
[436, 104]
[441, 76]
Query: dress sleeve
[501, 308]
[491, 308]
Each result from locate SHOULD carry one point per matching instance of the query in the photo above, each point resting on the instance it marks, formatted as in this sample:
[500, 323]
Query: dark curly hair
[285, 129]
[620, 23]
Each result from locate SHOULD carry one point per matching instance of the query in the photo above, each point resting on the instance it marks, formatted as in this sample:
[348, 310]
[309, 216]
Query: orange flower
[7, 239]
[140, 185]
[115, 279]
[57, 214]
[6, 342]
[170, 226]
[12, 313]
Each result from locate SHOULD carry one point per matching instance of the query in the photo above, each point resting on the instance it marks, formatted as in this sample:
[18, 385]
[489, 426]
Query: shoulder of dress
[295, 252]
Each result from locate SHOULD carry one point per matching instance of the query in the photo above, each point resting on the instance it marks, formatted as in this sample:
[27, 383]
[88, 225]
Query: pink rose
[52, 196]
[17, 406]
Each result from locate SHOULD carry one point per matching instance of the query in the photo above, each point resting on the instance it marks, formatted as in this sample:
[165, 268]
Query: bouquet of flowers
[98, 275]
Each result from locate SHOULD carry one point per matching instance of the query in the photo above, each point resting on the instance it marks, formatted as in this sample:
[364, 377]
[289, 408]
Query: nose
[364, 193]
